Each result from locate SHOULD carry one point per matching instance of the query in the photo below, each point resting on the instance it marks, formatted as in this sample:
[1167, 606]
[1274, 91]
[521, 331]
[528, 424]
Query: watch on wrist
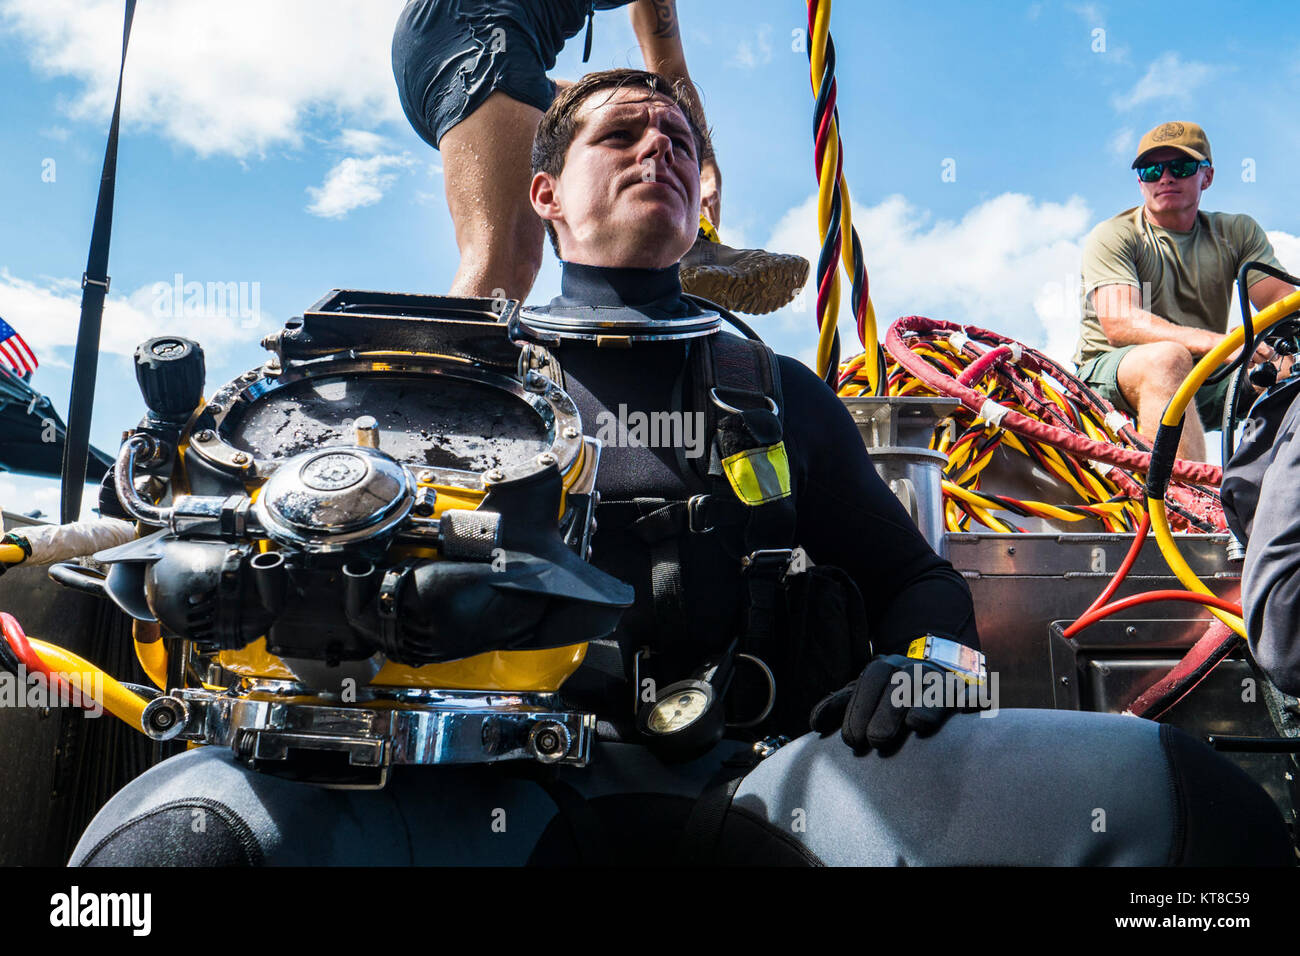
[966, 662]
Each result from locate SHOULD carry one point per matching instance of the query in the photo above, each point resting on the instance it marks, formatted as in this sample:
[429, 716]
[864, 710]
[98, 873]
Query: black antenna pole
[94, 287]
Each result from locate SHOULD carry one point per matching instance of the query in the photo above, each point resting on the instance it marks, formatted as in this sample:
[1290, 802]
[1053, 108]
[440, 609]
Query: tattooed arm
[659, 34]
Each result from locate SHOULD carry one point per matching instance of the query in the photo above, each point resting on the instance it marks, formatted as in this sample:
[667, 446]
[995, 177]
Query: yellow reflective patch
[759, 475]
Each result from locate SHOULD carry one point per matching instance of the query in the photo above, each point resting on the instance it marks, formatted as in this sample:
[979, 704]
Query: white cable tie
[1103, 467]
[1115, 419]
[1016, 351]
[992, 412]
[958, 340]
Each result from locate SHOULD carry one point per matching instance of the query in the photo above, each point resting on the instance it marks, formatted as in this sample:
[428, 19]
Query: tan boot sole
[753, 289]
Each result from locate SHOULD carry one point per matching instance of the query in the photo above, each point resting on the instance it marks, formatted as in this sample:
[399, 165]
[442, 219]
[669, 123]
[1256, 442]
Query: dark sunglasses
[1181, 168]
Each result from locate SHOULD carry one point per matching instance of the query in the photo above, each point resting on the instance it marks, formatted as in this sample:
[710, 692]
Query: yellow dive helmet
[371, 549]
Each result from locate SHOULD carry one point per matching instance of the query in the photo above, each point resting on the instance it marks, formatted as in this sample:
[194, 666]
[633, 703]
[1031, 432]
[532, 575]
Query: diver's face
[629, 194]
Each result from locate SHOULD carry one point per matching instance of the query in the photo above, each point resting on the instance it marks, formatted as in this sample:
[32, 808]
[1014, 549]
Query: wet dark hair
[560, 122]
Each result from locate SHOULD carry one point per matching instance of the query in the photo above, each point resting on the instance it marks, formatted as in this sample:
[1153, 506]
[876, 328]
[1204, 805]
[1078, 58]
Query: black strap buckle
[694, 517]
[772, 561]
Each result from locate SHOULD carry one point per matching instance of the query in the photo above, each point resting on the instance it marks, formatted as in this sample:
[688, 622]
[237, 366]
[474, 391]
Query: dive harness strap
[703, 830]
[660, 527]
[735, 383]
[738, 385]
[94, 288]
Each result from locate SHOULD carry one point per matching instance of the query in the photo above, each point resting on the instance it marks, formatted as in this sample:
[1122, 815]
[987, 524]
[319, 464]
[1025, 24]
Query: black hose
[1164, 455]
[79, 578]
[1227, 438]
[833, 372]
[148, 693]
[8, 657]
[1228, 427]
[740, 325]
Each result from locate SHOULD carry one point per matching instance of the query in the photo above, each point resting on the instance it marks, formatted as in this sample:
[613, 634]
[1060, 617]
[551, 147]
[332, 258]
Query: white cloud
[1090, 13]
[755, 51]
[1169, 80]
[1122, 144]
[21, 494]
[47, 312]
[355, 182]
[237, 77]
[361, 142]
[1010, 265]
[1287, 248]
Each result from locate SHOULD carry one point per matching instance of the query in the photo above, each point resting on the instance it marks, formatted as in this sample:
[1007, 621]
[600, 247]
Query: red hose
[17, 638]
[1206, 654]
[1092, 617]
[1197, 473]
[975, 371]
[1129, 559]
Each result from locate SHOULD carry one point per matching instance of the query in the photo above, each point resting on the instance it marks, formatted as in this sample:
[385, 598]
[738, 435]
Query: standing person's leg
[485, 162]
[473, 83]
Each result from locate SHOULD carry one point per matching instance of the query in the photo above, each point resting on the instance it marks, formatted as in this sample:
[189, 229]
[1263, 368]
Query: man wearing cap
[1158, 284]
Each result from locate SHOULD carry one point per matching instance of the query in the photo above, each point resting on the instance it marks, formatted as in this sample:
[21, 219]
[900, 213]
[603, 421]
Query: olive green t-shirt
[1185, 277]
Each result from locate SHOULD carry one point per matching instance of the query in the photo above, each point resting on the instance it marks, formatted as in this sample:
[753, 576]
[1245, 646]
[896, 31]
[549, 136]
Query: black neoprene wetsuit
[846, 516]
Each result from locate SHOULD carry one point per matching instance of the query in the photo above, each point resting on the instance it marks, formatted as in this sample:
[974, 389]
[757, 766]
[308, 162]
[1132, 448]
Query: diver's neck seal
[616, 307]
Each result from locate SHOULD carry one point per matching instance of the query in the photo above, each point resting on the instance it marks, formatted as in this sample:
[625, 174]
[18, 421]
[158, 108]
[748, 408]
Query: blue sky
[263, 144]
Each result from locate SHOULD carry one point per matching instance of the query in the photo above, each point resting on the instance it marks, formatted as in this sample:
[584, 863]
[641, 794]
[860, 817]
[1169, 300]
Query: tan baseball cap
[1186, 137]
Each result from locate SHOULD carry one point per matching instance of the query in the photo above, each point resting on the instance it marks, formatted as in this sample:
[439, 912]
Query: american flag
[15, 351]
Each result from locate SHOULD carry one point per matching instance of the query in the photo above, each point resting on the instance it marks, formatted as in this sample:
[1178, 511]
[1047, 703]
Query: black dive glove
[880, 707]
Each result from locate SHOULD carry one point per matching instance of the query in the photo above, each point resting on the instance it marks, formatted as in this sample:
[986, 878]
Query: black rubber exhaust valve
[171, 374]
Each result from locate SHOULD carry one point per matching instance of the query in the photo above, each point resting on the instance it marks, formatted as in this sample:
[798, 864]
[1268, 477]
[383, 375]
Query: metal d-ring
[771, 693]
[713, 394]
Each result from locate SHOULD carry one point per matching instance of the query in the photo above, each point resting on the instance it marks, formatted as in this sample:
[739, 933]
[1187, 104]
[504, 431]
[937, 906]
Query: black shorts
[450, 55]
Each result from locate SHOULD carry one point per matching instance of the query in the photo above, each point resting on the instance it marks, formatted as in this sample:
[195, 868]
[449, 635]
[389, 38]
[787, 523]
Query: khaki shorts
[1101, 375]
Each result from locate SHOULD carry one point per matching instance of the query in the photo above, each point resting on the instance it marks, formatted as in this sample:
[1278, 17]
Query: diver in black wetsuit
[1024, 787]
[846, 517]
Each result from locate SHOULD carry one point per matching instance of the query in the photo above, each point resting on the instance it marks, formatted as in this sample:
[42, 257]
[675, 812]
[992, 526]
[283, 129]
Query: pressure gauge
[687, 718]
[677, 710]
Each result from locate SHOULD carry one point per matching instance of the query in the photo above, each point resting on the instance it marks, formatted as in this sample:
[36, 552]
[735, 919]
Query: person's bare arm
[1125, 322]
[1269, 290]
[659, 35]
